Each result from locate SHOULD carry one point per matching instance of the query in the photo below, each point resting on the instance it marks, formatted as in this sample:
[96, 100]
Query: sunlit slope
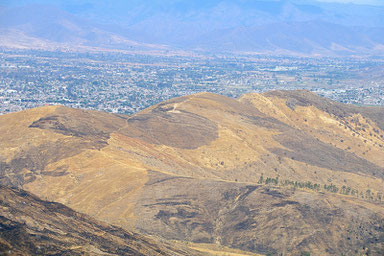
[60, 154]
[182, 168]
[207, 135]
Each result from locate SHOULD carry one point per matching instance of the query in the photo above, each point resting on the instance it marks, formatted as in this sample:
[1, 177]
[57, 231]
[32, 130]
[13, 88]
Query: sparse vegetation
[183, 185]
[345, 190]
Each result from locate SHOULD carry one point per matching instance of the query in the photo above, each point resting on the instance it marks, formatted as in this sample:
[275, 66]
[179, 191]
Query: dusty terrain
[282, 172]
[30, 226]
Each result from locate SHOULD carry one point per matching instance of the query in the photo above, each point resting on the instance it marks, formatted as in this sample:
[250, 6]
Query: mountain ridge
[206, 168]
[256, 27]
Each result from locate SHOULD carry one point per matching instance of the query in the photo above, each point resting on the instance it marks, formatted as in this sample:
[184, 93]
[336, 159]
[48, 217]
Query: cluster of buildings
[127, 83]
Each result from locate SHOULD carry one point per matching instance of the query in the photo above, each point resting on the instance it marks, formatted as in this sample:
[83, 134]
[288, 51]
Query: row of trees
[345, 190]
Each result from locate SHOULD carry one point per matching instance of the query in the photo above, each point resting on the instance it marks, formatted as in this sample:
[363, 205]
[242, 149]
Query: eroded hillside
[281, 172]
[31, 226]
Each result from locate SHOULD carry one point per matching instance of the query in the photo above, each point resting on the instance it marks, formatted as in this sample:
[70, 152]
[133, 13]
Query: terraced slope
[281, 172]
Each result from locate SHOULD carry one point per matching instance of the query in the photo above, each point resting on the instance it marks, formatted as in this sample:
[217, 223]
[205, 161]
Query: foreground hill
[282, 172]
[30, 226]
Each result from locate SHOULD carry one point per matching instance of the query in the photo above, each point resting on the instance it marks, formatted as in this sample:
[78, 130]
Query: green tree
[261, 180]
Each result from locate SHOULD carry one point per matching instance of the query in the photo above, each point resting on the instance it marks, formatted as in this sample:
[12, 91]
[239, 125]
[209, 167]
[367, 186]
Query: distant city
[127, 82]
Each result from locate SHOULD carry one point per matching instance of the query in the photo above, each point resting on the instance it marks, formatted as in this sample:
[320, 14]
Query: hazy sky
[369, 2]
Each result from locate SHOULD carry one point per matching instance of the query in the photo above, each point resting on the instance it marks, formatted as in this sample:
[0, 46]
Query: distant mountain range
[272, 27]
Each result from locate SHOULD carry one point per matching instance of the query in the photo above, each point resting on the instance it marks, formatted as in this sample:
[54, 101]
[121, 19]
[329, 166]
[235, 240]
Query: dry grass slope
[280, 172]
[30, 226]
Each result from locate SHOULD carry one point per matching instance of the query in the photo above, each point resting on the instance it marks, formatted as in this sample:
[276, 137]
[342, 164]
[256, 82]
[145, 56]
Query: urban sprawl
[127, 82]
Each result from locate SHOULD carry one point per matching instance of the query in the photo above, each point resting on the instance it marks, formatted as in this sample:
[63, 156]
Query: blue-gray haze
[295, 27]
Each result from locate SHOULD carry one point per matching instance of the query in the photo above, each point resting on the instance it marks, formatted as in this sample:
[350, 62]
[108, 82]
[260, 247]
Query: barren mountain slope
[30, 226]
[281, 172]
[259, 218]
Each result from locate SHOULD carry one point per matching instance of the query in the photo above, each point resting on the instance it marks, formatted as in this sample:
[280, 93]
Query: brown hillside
[30, 226]
[315, 155]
